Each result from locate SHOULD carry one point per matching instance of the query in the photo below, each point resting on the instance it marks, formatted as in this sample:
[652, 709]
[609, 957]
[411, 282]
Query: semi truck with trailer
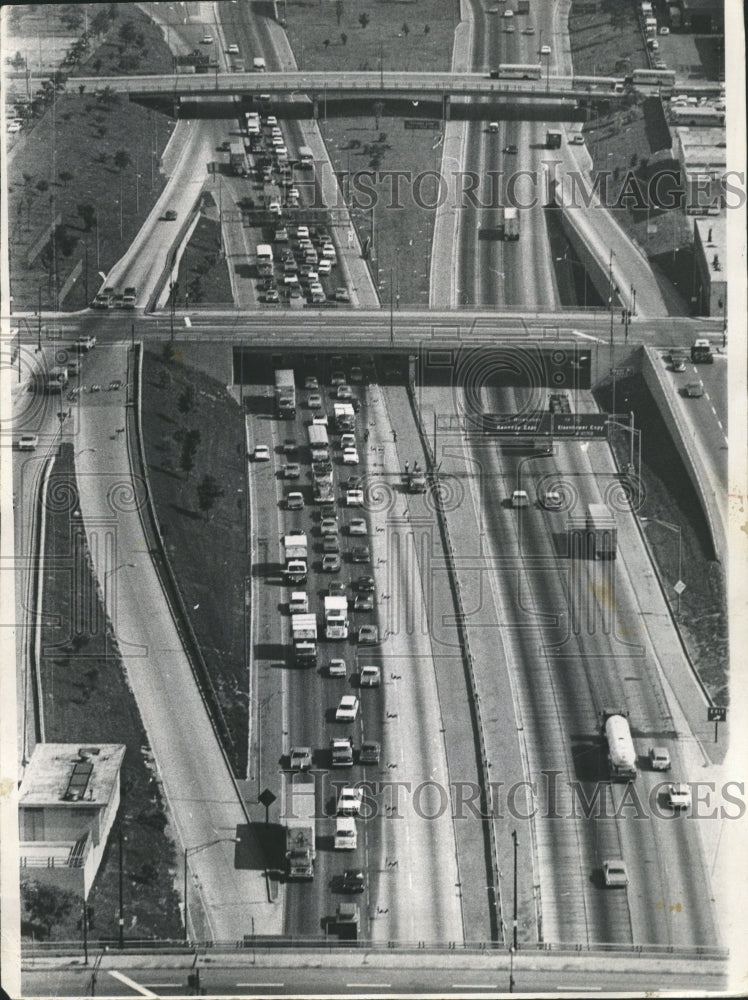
[285, 393]
[602, 532]
[620, 747]
[336, 617]
[295, 555]
[319, 442]
[510, 223]
[300, 842]
[238, 159]
[304, 632]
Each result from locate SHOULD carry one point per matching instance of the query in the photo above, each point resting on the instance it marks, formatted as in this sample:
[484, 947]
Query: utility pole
[39, 322]
[121, 920]
[392, 327]
[514, 915]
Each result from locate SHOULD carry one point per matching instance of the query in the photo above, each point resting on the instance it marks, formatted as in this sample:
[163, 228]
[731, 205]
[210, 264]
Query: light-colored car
[337, 668]
[520, 499]
[370, 676]
[324, 267]
[300, 758]
[357, 526]
[331, 563]
[207, 39]
[314, 402]
[262, 453]
[233, 49]
[350, 456]
[659, 759]
[694, 390]
[320, 418]
[310, 382]
[337, 378]
[354, 498]
[577, 139]
[678, 796]
[328, 526]
[302, 232]
[299, 603]
[552, 500]
[361, 554]
[664, 30]
[508, 13]
[344, 392]
[28, 442]
[615, 873]
[349, 802]
[545, 50]
[347, 709]
[368, 635]
[295, 501]
[348, 440]
[493, 126]
[14, 126]
[342, 295]
[363, 602]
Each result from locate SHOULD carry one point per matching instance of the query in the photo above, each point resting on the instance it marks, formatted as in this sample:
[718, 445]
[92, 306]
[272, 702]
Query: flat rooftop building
[710, 261]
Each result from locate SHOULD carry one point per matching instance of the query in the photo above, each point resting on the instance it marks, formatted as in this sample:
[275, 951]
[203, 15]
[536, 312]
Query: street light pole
[121, 920]
[392, 327]
[514, 908]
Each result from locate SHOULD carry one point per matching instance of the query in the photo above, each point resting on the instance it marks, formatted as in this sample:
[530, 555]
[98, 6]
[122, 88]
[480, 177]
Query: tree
[46, 905]
[363, 19]
[378, 112]
[208, 491]
[65, 176]
[18, 62]
[186, 399]
[339, 11]
[121, 159]
[88, 215]
[343, 37]
[42, 185]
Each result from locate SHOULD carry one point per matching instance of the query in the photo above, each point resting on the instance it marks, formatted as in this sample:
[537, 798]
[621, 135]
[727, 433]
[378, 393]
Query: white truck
[345, 416]
[621, 750]
[304, 632]
[299, 603]
[300, 842]
[336, 617]
[346, 835]
[295, 550]
[510, 222]
[341, 751]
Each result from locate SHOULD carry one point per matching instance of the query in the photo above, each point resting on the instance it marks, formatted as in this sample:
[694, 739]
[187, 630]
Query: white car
[28, 442]
[520, 499]
[370, 676]
[615, 873]
[347, 440]
[300, 758]
[15, 126]
[337, 668]
[354, 498]
[324, 267]
[350, 456]
[233, 49]
[659, 759]
[314, 402]
[349, 802]
[678, 796]
[545, 50]
[665, 30]
[207, 39]
[347, 709]
[357, 526]
[262, 453]
[577, 139]
[302, 232]
[271, 121]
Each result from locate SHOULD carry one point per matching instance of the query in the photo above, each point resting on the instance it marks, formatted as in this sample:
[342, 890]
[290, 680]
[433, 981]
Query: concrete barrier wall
[658, 385]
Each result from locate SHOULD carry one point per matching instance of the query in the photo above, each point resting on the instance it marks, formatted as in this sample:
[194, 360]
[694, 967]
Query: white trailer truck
[300, 842]
[336, 617]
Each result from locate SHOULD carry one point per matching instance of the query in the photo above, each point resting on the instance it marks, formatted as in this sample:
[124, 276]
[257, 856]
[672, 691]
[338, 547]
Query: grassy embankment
[87, 699]
[368, 141]
[86, 174]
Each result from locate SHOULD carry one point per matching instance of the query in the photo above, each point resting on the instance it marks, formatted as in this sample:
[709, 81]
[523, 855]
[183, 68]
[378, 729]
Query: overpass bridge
[385, 85]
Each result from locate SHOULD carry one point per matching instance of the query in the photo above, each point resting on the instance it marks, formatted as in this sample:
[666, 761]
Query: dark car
[290, 447]
[321, 468]
[363, 602]
[169, 215]
[511, 148]
[330, 543]
[336, 589]
[371, 751]
[365, 584]
[352, 880]
[361, 554]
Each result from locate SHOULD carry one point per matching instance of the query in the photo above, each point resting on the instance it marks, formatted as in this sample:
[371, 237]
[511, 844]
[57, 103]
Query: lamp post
[194, 850]
[121, 919]
[514, 907]
[392, 326]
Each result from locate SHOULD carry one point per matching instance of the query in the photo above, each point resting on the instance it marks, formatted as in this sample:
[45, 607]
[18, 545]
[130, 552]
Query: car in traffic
[330, 543]
[511, 149]
[361, 554]
[27, 442]
[337, 668]
[363, 602]
[350, 456]
[295, 501]
[694, 390]
[577, 139]
[314, 401]
[169, 215]
[370, 676]
[311, 383]
[290, 447]
[349, 801]
[321, 467]
[300, 758]
[615, 873]
[354, 498]
[520, 498]
[678, 796]
[270, 296]
[368, 635]
[337, 378]
[342, 295]
[292, 470]
[328, 526]
[352, 880]
[344, 392]
[371, 752]
[347, 709]
[545, 50]
[357, 526]
[331, 563]
[552, 500]
[365, 584]
[659, 759]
